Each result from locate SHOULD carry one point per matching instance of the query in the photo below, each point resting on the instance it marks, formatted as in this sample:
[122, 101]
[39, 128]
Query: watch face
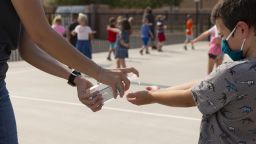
[71, 79]
[72, 84]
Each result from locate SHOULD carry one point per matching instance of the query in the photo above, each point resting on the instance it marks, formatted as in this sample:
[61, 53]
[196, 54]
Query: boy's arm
[174, 98]
[177, 96]
[184, 86]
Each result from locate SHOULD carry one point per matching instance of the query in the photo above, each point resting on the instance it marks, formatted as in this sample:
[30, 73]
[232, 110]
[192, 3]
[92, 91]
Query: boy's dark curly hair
[233, 11]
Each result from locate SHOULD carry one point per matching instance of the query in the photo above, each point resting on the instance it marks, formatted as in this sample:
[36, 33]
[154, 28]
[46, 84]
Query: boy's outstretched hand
[140, 98]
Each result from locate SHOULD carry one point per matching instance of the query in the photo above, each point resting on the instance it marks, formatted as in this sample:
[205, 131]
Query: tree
[120, 3]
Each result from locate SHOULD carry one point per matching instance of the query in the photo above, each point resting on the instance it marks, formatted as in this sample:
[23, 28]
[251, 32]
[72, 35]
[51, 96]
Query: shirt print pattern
[227, 100]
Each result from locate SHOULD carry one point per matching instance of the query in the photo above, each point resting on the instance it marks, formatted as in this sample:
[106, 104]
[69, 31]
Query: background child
[84, 35]
[215, 54]
[160, 32]
[189, 32]
[119, 21]
[57, 26]
[123, 44]
[71, 38]
[111, 36]
[145, 34]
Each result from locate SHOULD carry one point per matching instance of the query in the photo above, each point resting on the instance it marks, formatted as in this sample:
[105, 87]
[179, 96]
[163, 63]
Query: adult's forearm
[33, 18]
[41, 60]
[65, 53]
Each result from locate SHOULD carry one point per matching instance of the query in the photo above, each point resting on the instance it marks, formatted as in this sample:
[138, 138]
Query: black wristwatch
[72, 77]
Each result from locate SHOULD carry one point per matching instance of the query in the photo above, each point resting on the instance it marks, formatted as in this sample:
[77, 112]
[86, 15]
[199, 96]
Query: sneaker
[193, 48]
[108, 58]
[160, 50]
[141, 52]
[185, 48]
[154, 47]
[147, 52]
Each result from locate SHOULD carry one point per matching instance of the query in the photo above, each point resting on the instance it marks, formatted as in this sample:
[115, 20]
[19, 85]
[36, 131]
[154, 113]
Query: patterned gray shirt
[227, 100]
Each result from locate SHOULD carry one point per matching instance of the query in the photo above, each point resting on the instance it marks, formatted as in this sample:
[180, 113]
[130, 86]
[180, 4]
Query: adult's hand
[94, 101]
[117, 79]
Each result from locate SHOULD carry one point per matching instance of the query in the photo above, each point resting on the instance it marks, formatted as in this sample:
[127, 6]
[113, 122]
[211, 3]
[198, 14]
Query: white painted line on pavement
[107, 108]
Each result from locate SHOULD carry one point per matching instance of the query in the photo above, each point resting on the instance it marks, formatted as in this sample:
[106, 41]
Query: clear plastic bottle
[106, 91]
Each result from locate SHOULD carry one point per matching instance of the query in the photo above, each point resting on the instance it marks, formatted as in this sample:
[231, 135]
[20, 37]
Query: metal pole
[197, 18]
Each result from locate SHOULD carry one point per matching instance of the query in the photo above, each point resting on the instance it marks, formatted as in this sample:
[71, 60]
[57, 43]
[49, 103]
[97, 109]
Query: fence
[175, 21]
[175, 27]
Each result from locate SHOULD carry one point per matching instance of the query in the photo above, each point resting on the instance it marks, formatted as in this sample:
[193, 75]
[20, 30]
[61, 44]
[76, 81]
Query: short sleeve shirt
[215, 41]
[122, 36]
[59, 29]
[10, 26]
[145, 31]
[10, 32]
[83, 32]
[189, 27]
[227, 100]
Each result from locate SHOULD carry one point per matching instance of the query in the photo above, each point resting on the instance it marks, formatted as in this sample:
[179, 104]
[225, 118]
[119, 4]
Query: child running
[145, 34]
[160, 32]
[226, 97]
[189, 32]
[215, 54]
[84, 35]
[122, 46]
[111, 36]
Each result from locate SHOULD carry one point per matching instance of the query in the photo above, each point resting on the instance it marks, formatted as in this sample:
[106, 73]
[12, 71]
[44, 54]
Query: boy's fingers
[148, 88]
[131, 96]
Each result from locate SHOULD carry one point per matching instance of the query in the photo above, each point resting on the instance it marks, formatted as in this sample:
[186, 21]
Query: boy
[226, 97]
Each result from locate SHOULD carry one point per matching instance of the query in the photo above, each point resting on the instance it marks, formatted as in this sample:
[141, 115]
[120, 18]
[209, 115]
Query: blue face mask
[234, 55]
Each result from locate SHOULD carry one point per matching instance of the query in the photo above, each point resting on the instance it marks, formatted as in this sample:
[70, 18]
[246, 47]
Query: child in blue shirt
[145, 34]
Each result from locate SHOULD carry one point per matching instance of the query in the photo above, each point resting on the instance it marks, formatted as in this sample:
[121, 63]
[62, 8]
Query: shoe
[185, 48]
[160, 50]
[108, 58]
[193, 48]
[141, 52]
[147, 52]
[154, 47]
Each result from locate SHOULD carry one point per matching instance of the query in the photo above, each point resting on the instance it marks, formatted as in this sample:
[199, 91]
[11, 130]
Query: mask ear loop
[242, 47]
[232, 32]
